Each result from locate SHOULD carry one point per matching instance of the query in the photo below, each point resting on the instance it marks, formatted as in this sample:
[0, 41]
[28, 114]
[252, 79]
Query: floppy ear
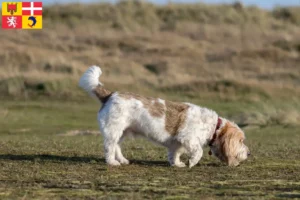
[227, 148]
[228, 144]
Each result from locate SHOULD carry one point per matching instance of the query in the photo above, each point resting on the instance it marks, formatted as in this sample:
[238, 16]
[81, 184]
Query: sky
[266, 4]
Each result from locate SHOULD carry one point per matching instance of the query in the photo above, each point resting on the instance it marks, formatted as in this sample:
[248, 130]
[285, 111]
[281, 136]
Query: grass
[38, 162]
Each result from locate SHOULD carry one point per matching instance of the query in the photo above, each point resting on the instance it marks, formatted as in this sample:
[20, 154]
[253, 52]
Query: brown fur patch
[155, 108]
[175, 116]
[102, 93]
[175, 112]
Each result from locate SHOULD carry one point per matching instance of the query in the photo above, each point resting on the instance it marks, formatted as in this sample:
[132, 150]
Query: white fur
[120, 117]
[90, 79]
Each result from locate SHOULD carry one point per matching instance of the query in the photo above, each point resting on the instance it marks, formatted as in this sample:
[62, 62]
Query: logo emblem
[33, 21]
[22, 15]
[12, 8]
[12, 21]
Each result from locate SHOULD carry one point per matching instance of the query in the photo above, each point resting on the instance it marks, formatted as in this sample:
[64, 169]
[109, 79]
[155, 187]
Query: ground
[41, 159]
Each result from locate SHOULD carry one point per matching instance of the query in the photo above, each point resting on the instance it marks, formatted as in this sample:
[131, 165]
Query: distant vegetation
[129, 13]
[184, 52]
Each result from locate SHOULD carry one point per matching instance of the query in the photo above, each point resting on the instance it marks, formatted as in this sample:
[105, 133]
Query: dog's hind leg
[112, 136]
[112, 127]
[120, 157]
[110, 147]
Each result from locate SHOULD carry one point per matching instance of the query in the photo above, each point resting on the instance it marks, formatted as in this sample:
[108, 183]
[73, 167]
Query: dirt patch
[80, 132]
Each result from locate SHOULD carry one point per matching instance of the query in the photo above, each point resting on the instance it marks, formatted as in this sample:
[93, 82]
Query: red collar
[215, 133]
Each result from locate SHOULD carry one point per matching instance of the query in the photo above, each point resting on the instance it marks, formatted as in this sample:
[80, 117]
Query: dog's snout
[249, 153]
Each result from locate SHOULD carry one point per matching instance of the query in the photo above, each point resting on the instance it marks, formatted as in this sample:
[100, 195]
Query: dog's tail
[91, 84]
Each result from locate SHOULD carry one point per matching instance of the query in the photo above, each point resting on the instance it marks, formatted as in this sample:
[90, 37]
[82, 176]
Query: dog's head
[229, 145]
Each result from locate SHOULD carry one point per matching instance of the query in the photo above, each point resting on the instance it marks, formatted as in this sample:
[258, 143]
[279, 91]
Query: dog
[180, 127]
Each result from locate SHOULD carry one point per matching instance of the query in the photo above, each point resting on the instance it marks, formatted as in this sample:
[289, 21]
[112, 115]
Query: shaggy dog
[180, 127]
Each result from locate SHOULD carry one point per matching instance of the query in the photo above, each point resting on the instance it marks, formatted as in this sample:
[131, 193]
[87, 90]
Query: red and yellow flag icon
[22, 15]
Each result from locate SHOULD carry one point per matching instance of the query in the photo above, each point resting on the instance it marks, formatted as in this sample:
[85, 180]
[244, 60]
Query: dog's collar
[215, 133]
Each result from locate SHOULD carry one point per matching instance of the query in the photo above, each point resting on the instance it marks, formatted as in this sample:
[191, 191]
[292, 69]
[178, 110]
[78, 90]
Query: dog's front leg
[174, 158]
[196, 155]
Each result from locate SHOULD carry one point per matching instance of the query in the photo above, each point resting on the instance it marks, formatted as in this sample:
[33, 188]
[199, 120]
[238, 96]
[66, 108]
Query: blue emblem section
[33, 19]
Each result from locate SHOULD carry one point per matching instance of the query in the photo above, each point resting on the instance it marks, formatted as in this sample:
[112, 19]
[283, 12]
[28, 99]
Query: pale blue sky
[261, 3]
[268, 4]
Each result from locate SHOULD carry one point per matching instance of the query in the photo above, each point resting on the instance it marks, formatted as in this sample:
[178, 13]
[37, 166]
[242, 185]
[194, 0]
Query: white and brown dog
[181, 127]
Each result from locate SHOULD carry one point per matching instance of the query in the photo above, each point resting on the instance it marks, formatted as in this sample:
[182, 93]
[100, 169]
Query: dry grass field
[243, 62]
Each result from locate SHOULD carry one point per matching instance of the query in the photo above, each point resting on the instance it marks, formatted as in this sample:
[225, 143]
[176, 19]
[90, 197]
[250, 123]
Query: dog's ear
[227, 146]
[228, 138]
[230, 141]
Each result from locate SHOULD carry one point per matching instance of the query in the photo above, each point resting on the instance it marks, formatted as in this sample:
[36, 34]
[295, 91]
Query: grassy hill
[156, 46]
[194, 52]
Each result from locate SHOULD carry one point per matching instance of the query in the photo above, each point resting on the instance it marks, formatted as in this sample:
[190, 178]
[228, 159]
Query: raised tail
[89, 81]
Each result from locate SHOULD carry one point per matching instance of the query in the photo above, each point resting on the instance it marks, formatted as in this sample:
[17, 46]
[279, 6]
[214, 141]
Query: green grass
[37, 162]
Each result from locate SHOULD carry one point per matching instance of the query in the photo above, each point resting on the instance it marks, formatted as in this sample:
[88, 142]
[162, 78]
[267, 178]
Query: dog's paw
[192, 164]
[124, 161]
[180, 164]
[113, 163]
